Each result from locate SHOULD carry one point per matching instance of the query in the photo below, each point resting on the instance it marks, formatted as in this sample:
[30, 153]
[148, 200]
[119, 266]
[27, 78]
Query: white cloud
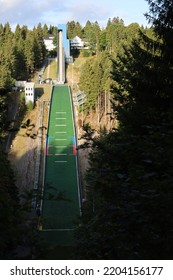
[24, 12]
[87, 10]
[10, 3]
[31, 12]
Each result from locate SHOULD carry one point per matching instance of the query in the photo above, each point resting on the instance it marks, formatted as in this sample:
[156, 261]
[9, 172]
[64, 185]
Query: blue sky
[31, 12]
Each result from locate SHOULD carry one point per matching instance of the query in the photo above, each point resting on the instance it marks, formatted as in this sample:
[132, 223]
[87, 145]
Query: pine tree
[85, 83]
[70, 29]
[19, 38]
[128, 213]
[39, 47]
[29, 52]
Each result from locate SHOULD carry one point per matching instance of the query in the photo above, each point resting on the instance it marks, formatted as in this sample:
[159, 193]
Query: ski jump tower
[63, 52]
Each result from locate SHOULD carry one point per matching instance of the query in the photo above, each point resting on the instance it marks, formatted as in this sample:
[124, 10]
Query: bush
[86, 54]
[30, 105]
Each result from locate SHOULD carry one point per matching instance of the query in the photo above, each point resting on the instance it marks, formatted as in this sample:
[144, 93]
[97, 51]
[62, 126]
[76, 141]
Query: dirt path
[23, 152]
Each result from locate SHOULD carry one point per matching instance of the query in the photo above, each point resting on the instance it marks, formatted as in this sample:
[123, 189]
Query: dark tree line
[128, 212]
[128, 209]
[96, 75]
[21, 52]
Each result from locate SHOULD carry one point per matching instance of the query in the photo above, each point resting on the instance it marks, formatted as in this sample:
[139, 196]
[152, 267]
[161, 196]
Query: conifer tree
[128, 213]
[29, 52]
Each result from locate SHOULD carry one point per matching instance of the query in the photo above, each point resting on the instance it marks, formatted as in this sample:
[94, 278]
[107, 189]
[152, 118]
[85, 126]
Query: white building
[77, 43]
[29, 92]
[48, 41]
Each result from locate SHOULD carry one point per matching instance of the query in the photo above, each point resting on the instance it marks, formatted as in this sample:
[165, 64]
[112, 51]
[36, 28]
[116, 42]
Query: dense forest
[128, 211]
[21, 52]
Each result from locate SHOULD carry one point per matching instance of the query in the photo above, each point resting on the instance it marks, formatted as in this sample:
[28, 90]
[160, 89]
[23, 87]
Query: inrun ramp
[61, 200]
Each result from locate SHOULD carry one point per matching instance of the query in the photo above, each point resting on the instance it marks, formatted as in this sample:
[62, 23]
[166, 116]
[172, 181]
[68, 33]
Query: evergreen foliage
[95, 78]
[3, 108]
[74, 29]
[9, 210]
[22, 51]
[128, 209]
